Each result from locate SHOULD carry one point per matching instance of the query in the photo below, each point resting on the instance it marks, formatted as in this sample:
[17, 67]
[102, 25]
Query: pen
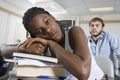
[52, 77]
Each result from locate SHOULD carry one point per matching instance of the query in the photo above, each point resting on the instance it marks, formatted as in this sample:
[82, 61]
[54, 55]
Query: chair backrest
[9, 66]
[106, 65]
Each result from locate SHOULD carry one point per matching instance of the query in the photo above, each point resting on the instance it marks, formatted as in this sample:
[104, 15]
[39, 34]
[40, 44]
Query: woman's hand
[36, 48]
[30, 41]
[35, 45]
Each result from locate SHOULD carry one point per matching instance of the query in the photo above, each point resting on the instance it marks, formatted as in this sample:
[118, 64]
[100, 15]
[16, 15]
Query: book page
[32, 71]
[31, 62]
[36, 57]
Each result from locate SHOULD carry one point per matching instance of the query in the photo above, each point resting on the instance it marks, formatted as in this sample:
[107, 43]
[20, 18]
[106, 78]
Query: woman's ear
[27, 34]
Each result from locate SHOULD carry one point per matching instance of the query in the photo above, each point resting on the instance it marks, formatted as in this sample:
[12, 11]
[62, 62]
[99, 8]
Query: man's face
[95, 28]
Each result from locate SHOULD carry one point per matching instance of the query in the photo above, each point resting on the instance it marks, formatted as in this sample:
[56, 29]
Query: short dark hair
[29, 14]
[97, 19]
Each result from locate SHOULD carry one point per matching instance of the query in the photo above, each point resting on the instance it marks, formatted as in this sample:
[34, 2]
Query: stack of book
[37, 66]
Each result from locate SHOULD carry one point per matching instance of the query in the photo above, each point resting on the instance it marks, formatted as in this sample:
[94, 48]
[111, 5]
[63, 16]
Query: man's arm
[114, 44]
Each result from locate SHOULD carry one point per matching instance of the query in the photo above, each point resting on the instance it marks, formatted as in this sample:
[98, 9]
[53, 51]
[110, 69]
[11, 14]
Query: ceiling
[69, 7]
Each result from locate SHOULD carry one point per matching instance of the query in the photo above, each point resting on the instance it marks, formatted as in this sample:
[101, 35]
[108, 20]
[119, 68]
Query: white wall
[11, 28]
[114, 28]
[3, 22]
[20, 32]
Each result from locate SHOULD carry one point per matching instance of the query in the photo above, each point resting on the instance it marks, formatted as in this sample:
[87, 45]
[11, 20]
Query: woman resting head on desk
[45, 33]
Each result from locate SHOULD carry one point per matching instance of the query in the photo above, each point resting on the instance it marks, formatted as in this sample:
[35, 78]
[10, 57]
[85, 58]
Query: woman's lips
[54, 34]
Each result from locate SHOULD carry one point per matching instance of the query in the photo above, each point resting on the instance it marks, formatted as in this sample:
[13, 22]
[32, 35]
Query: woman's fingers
[41, 40]
[26, 42]
[29, 41]
[39, 49]
[36, 48]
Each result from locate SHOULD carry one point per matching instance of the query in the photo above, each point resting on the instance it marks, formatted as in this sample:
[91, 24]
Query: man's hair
[97, 19]
[29, 14]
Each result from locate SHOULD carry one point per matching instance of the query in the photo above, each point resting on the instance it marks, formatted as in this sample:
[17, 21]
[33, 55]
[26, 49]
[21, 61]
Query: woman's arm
[7, 50]
[79, 62]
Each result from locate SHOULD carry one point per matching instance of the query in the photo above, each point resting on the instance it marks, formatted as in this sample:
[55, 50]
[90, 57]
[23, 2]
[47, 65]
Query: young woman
[46, 33]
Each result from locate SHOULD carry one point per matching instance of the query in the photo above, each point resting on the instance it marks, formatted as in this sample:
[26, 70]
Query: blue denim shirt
[107, 45]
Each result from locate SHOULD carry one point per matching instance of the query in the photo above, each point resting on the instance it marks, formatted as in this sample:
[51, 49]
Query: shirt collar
[101, 36]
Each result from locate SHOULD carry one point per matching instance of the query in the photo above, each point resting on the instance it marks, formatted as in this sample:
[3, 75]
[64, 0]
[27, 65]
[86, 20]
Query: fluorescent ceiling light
[101, 9]
[52, 7]
[38, 1]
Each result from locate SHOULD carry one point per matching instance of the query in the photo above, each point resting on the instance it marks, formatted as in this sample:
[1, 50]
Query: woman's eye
[40, 31]
[47, 22]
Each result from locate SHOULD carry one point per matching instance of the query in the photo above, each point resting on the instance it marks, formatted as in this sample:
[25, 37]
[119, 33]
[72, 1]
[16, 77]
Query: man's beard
[97, 34]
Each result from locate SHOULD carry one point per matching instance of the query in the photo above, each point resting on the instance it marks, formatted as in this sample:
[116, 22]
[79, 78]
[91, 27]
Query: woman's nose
[48, 30]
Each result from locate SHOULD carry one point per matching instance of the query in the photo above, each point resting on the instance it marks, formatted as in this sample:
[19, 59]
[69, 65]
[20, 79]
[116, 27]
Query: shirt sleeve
[114, 43]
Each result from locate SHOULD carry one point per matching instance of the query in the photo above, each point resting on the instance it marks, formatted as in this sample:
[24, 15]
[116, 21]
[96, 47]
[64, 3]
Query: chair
[106, 65]
[9, 66]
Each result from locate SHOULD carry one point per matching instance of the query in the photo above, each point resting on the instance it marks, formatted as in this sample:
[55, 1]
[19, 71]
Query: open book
[36, 57]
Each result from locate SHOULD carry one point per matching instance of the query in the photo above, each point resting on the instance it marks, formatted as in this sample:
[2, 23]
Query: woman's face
[45, 26]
